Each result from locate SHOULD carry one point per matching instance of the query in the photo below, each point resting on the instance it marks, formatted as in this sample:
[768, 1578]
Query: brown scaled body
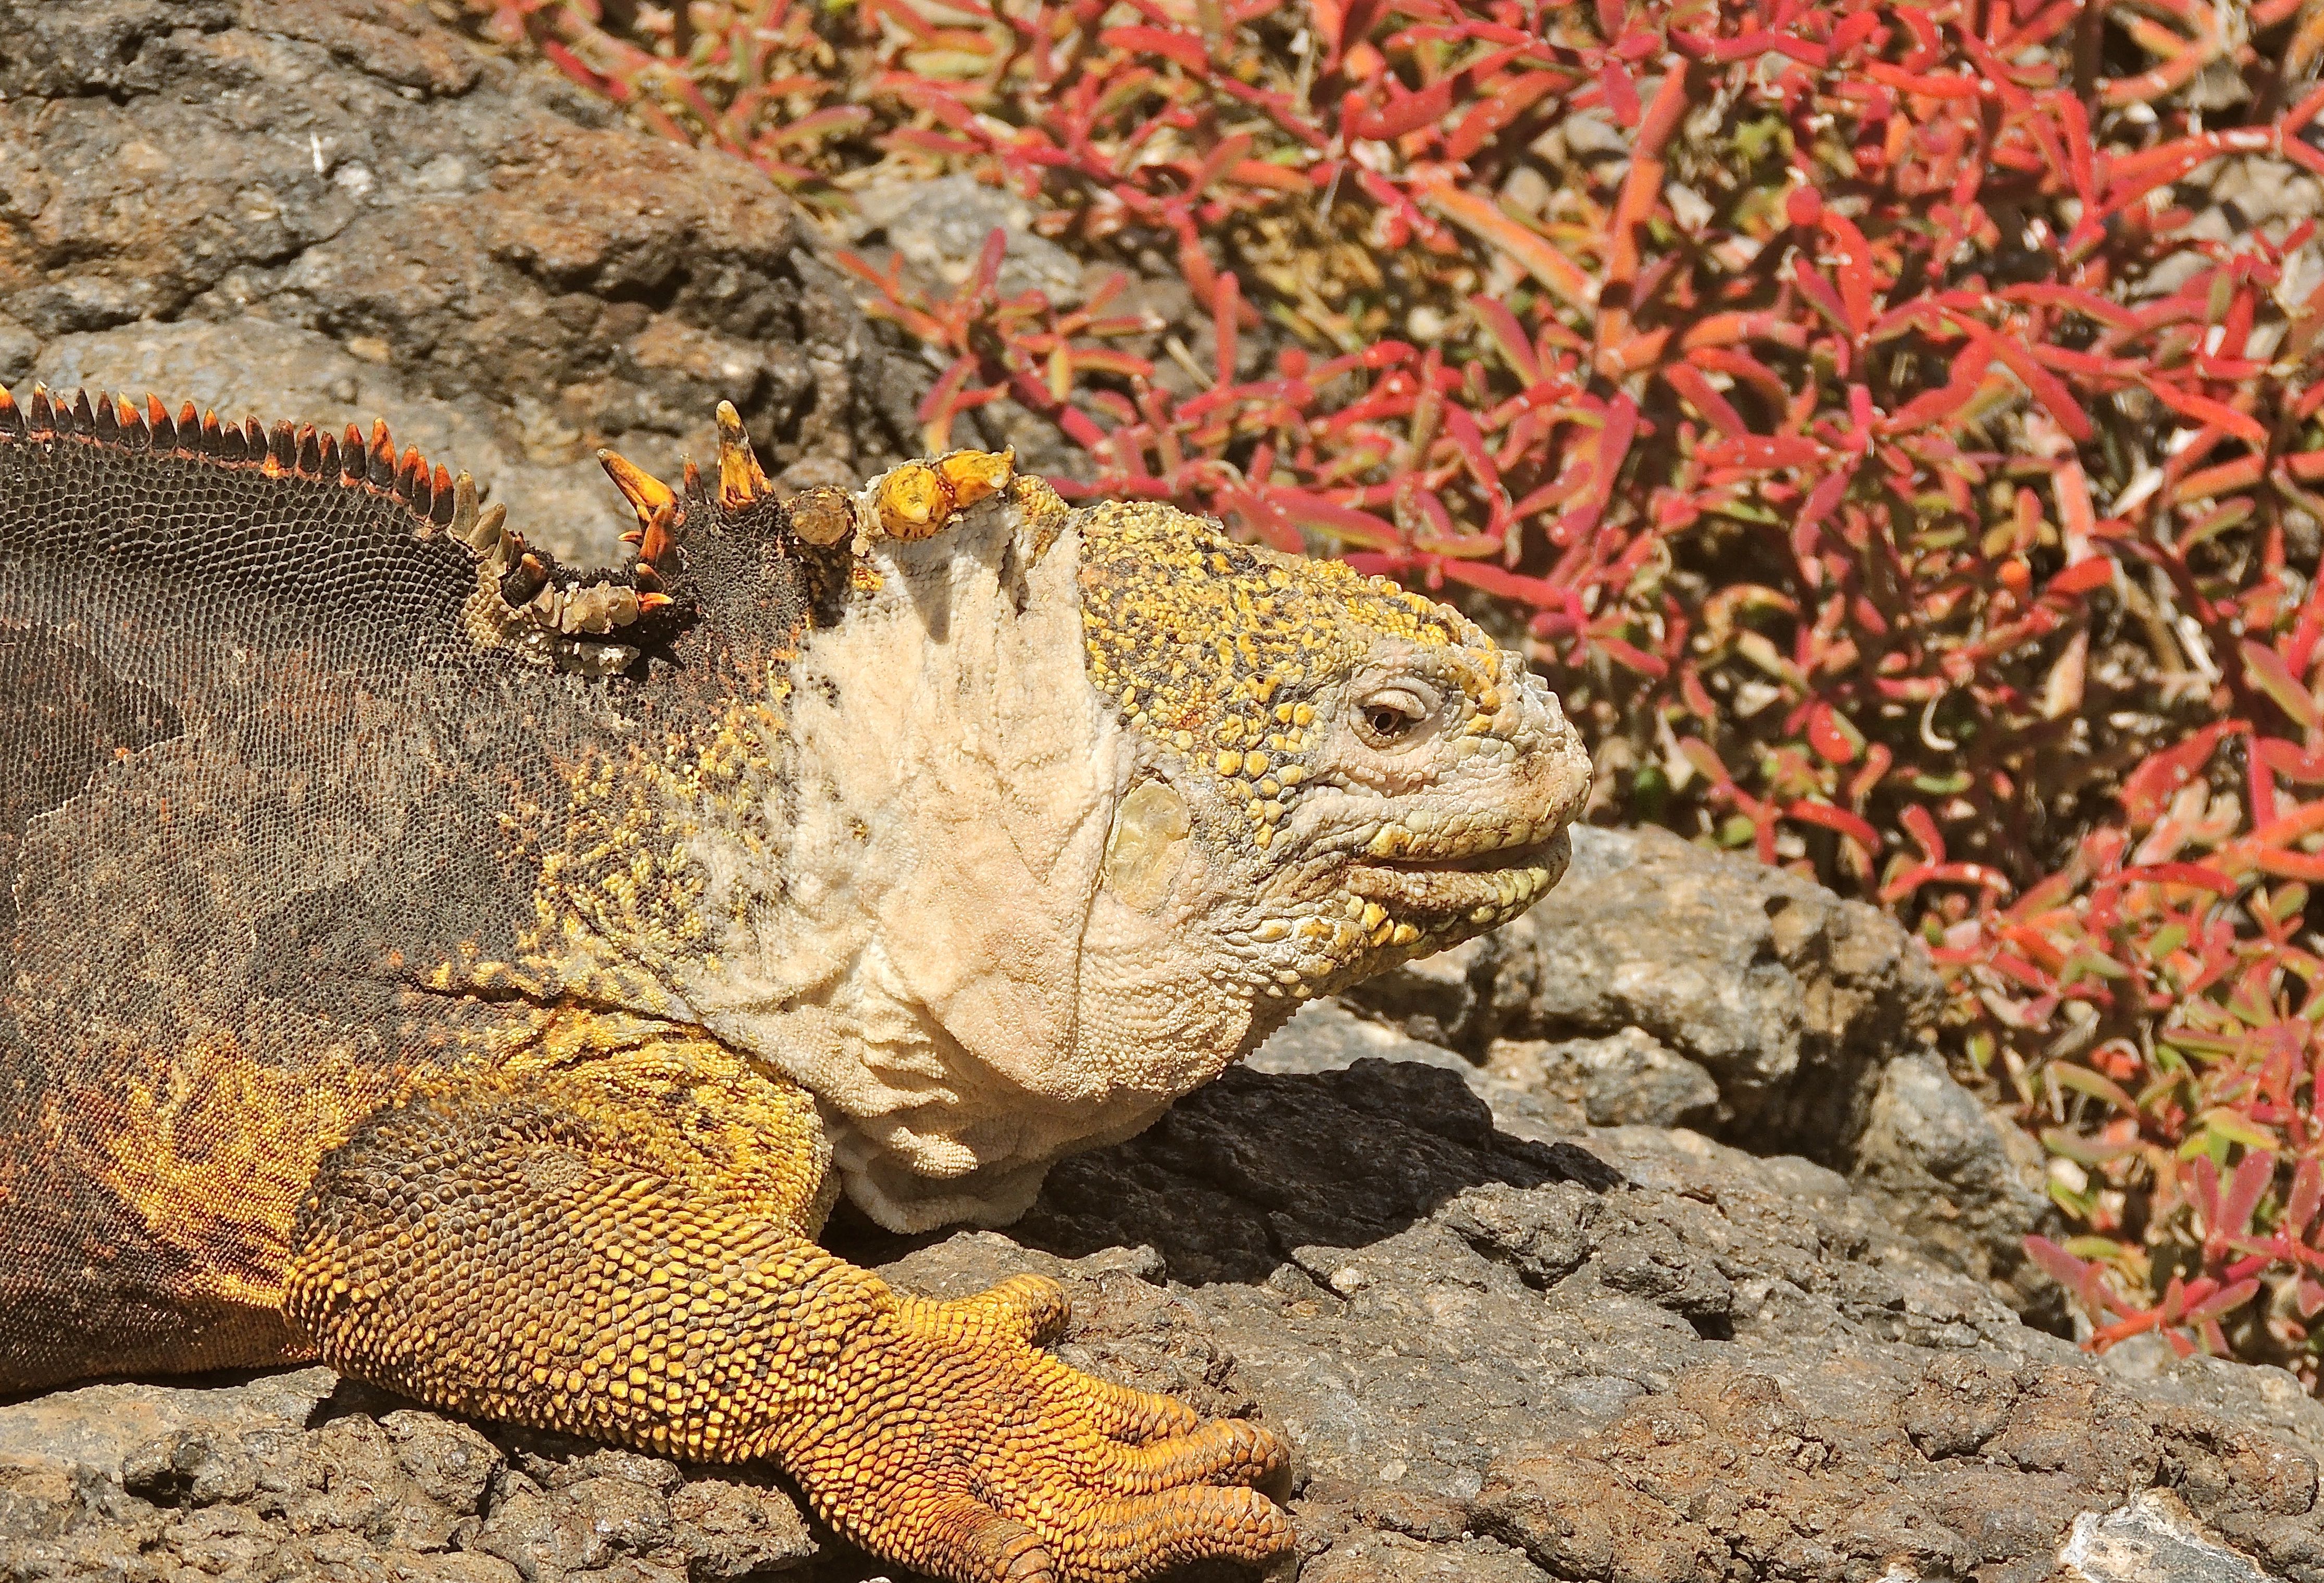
[424, 956]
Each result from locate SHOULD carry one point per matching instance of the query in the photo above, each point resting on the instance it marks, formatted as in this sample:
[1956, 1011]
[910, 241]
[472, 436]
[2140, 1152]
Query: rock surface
[1790, 999]
[1664, 983]
[302, 1474]
[338, 209]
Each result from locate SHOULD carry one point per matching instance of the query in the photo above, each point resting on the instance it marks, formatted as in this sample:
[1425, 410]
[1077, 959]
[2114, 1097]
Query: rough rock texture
[1501, 1355]
[1791, 999]
[1960, 1181]
[334, 209]
[1624, 1079]
[1664, 983]
[305, 1474]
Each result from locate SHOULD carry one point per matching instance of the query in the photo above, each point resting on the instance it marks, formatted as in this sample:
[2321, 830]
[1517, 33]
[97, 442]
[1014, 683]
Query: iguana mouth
[1497, 878]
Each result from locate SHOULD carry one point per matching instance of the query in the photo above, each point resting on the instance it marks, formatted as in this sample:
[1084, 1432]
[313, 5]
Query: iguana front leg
[620, 1250]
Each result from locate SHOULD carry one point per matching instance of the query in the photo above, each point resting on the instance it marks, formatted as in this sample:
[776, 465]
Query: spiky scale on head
[741, 480]
[917, 500]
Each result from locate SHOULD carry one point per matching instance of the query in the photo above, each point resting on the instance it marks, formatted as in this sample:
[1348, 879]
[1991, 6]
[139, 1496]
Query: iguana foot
[618, 1250]
[953, 1444]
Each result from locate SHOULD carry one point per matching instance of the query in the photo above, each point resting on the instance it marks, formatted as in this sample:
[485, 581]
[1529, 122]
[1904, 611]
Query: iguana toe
[955, 1446]
[1031, 1307]
[1135, 1417]
[970, 1542]
[1142, 1535]
[1228, 1450]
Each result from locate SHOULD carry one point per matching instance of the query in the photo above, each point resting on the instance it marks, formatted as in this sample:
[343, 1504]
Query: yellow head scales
[1212, 647]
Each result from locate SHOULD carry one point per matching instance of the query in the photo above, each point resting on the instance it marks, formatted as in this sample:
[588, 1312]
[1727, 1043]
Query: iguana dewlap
[486, 974]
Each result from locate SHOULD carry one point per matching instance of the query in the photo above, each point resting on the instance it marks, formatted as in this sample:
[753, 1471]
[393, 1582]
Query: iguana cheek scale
[485, 975]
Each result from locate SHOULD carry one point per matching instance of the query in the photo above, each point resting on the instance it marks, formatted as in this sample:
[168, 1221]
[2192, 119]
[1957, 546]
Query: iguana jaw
[1449, 890]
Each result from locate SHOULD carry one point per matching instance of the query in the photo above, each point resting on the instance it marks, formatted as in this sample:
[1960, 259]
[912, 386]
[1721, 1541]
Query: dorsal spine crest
[549, 611]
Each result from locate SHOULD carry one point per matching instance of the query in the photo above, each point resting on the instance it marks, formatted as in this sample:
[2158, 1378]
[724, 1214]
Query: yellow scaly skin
[623, 1250]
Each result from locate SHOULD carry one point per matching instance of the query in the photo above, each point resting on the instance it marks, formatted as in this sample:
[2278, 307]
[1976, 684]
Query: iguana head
[1333, 775]
[1073, 807]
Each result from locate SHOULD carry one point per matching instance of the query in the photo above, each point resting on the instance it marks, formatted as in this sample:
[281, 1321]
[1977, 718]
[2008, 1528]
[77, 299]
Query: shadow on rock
[1256, 1165]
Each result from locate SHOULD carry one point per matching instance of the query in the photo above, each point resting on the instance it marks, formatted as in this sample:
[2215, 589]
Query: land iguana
[484, 975]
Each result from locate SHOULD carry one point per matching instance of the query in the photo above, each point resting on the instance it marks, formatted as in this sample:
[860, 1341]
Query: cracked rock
[338, 209]
[1667, 985]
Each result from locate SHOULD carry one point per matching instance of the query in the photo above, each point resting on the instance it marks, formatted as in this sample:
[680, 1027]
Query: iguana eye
[1386, 716]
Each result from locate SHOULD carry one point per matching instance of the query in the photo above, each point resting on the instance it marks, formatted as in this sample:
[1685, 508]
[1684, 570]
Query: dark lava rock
[334, 210]
[1715, 1366]
[1664, 983]
[1959, 1180]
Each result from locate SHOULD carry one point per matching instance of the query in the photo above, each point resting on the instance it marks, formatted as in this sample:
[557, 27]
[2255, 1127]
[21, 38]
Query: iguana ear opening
[1146, 847]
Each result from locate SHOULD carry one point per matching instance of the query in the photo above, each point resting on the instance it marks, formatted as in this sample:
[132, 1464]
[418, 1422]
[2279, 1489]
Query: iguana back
[256, 777]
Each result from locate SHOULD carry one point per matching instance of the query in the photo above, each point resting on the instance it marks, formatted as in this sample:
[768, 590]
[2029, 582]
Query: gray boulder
[1667, 983]
[302, 1474]
[1961, 1181]
[1627, 1078]
[1790, 998]
[336, 209]
[940, 226]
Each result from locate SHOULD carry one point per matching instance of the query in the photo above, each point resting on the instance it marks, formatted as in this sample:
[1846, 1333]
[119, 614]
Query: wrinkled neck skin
[942, 962]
